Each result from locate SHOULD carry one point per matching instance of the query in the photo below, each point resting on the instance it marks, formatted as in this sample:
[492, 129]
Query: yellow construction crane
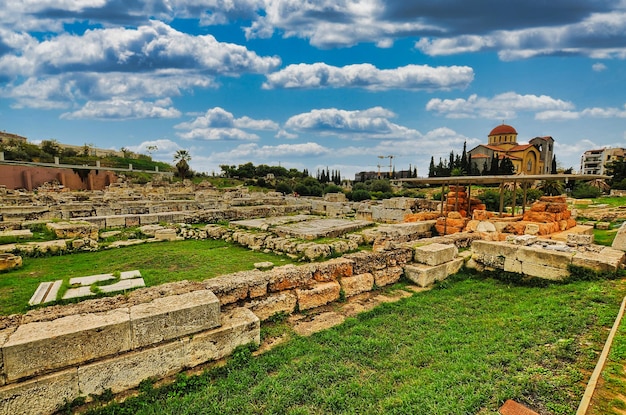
[390, 157]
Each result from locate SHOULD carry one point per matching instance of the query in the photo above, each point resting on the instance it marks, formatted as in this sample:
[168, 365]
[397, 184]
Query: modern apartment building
[595, 161]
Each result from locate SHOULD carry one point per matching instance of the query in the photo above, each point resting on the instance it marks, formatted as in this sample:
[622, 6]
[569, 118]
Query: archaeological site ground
[182, 298]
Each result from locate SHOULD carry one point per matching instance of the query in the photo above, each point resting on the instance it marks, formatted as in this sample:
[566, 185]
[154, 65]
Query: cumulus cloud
[158, 148]
[119, 109]
[370, 123]
[598, 67]
[146, 48]
[598, 35]
[595, 112]
[505, 105]
[414, 77]
[219, 124]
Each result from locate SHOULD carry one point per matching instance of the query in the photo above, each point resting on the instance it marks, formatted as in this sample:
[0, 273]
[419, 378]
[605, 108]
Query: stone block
[493, 248]
[576, 239]
[531, 229]
[10, 261]
[523, 240]
[331, 270]
[283, 302]
[620, 238]
[165, 235]
[149, 219]
[115, 222]
[485, 226]
[511, 264]
[454, 266]
[435, 254]
[231, 288]
[357, 284]
[398, 256]
[43, 395]
[607, 260]
[173, 316]
[127, 370]
[38, 347]
[318, 295]
[132, 221]
[239, 327]
[367, 261]
[544, 257]
[387, 276]
[603, 225]
[426, 275]
[544, 271]
[288, 277]
[74, 229]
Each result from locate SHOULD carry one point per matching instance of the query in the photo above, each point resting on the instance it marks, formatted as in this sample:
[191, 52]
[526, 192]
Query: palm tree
[551, 187]
[182, 158]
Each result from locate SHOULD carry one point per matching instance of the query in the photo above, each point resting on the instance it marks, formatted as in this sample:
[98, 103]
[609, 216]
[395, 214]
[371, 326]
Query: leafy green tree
[51, 147]
[431, 167]
[360, 195]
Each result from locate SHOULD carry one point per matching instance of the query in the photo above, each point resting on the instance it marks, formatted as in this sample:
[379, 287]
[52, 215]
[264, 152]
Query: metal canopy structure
[521, 179]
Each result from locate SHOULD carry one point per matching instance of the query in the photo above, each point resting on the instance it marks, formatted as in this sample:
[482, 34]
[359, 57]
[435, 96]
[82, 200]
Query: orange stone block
[538, 207]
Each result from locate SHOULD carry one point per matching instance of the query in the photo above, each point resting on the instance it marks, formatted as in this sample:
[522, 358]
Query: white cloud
[158, 148]
[415, 77]
[370, 123]
[599, 35]
[119, 109]
[505, 105]
[596, 112]
[219, 124]
[146, 48]
[598, 67]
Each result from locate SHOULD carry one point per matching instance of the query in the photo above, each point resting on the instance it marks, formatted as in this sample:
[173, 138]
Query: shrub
[585, 190]
[359, 195]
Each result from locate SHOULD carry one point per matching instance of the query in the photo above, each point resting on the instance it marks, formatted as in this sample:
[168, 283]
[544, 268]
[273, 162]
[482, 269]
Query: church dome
[503, 129]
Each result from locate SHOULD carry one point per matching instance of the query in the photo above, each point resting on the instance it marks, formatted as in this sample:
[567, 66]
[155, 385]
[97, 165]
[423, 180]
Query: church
[532, 158]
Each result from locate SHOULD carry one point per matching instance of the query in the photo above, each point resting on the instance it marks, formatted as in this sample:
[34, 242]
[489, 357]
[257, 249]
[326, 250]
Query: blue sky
[314, 84]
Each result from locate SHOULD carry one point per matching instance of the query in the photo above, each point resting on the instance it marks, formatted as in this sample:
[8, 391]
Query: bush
[585, 190]
[283, 188]
[359, 195]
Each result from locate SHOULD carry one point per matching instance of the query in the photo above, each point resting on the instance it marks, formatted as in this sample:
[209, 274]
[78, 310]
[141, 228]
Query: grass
[604, 237]
[158, 262]
[461, 349]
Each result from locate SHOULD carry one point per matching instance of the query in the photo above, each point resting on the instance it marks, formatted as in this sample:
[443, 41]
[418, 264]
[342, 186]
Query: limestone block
[318, 295]
[607, 260]
[74, 229]
[165, 235]
[544, 257]
[544, 271]
[115, 222]
[357, 284]
[283, 302]
[531, 229]
[620, 238]
[366, 261]
[289, 276]
[398, 256]
[4, 335]
[173, 316]
[127, 370]
[426, 275]
[454, 266]
[331, 270]
[239, 327]
[576, 239]
[493, 248]
[38, 347]
[511, 264]
[149, 219]
[399, 203]
[524, 240]
[435, 254]
[43, 395]
[603, 225]
[231, 288]
[387, 276]
[485, 226]
[10, 261]
[131, 221]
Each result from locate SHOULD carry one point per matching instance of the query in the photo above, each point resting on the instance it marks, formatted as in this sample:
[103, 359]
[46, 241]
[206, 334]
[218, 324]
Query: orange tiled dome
[503, 129]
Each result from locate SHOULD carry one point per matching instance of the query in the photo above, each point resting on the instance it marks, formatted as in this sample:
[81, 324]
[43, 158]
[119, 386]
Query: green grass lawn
[461, 349]
[159, 263]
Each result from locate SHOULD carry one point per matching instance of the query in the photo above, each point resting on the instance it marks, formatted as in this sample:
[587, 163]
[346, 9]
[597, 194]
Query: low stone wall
[529, 256]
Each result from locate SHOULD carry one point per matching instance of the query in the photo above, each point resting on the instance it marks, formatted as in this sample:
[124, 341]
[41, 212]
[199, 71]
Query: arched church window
[529, 165]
